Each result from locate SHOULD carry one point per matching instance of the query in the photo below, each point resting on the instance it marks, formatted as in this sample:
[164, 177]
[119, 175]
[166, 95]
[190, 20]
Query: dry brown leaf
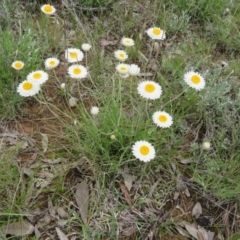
[145, 74]
[183, 232]
[128, 180]
[125, 193]
[193, 231]
[61, 235]
[18, 228]
[203, 235]
[62, 212]
[129, 231]
[197, 210]
[55, 161]
[200, 236]
[37, 232]
[104, 42]
[156, 49]
[44, 142]
[153, 65]
[185, 161]
[210, 235]
[82, 198]
[187, 192]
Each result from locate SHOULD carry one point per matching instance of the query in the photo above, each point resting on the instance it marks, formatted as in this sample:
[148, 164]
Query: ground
[66, 173]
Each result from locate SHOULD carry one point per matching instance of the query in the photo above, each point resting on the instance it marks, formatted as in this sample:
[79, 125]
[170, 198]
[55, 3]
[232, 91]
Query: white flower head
[28, 88]
[77, 71]
[86, 47]
[149, 90]
[127, 42]
[122, 68]
[162, 119]
[94, 110]
[18, 65]
[206, 145]
[51, 63]
[73, 55]
[38, 76]
[194, 80]
[134, 70]
[143, 150]
[121, 55]
[156, 33]
[63, 85]
[48, 9]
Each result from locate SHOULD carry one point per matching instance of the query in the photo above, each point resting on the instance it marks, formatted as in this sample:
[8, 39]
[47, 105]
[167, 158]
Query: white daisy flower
[86, 47]
[28, 88]
[134, 70]
[122, 68]
[63, 85]
[162, 119]
[18, 65]
[156, 33]
[194, 80]
[94, 110]
[51, 63]
[149, 90]
[77, 71]
[48, 9]
[127, 42]
[121, 55]
[143, 150]
[38, 76]
[74, 55]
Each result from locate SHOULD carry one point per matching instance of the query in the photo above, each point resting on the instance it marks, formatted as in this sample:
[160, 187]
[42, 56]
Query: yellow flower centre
[127, 41]
[150, 88]
[48, 8]
[195, 79]
[27, 86]
[52, 63]
[123, 68]
[121, 55]
[144, 150]
[157, 31]
[73, 55]
[37, 75]
[77, 70]
[162, 118]
[18, 65]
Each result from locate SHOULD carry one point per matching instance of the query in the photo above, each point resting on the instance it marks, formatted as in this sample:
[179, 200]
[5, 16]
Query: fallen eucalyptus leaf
[197, 210]
[193, 231]
[153, 64]
[128, 180]
[18, 228]
[61, 235]
[82, 198]
[44, 142]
